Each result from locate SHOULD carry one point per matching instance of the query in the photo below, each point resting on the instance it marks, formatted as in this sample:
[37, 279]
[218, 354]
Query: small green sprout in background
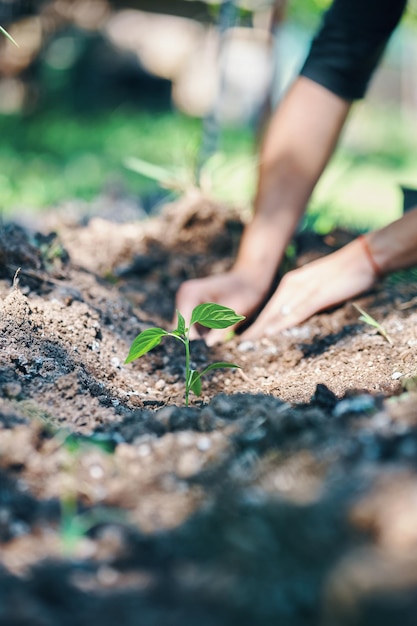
[75, 524]
[368, 319]
[215, 178]
[9, 37]
[210, 315]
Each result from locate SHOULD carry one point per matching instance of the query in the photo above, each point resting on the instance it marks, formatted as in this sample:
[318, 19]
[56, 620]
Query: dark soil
[286, 494]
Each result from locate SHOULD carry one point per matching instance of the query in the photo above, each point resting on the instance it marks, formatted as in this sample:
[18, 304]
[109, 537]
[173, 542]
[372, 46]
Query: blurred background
[131, 102]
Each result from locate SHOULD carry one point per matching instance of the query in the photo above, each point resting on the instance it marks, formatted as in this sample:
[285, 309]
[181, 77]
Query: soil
[286, 494]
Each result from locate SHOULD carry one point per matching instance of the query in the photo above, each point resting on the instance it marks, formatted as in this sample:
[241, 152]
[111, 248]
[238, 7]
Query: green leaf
[9, 37]
[212, 315]
[149, 170]
[144, 342]
[181, 324]
[368, 319]
[174, 178]
[219, 365]
[194, 382]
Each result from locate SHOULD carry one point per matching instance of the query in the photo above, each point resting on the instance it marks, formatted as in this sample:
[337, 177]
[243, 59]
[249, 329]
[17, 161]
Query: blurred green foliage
[48, 158]
[361, 187]
[306, 11]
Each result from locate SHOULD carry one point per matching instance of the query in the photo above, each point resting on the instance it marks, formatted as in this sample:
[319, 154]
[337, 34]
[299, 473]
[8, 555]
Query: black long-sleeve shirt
[349, 44]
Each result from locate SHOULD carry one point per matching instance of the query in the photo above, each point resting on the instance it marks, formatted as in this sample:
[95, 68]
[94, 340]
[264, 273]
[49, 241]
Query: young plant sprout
[368, 319]
[4, 32]
[210, 315]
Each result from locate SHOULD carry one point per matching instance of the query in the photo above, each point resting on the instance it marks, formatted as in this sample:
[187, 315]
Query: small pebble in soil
[396, 375]
[96, 471]
[298, 332]
[246, 346]
[204, 444]
[144, 450]
[271, 351]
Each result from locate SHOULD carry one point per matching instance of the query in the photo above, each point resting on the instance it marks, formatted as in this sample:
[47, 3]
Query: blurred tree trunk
[278, 15]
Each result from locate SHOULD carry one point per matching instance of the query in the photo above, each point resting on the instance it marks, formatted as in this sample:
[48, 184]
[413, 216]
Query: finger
[273, 320]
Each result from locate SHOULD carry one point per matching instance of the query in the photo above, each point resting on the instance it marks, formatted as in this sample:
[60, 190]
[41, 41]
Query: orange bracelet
[377, 270]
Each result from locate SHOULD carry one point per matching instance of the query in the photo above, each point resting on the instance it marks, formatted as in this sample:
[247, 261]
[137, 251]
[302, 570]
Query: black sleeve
[349, 44]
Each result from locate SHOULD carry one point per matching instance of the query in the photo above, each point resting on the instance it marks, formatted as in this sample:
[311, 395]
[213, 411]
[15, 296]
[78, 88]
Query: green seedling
[368, 319]
[174, 178]
[75, 526]
[9, 37]
[209, 315]
[211, 179]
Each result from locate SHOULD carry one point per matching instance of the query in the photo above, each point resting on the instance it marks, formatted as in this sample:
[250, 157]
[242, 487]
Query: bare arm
[298, 144]
[297, 147]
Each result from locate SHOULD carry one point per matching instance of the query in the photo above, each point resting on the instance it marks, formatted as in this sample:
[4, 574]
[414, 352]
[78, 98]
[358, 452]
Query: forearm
[298, 145]
[394, 247]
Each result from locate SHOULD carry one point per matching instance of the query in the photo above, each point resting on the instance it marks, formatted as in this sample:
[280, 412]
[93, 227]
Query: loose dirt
[286, 494]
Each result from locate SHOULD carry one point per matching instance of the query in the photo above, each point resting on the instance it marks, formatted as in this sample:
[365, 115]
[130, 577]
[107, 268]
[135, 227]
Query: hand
[232, 289]
[314, 287]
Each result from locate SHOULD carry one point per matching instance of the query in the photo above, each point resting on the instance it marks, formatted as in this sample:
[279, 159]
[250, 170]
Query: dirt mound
[286, 494]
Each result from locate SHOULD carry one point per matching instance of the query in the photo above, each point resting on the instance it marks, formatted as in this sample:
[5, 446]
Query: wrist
[394, 247]
[260, 254]
[370, 255]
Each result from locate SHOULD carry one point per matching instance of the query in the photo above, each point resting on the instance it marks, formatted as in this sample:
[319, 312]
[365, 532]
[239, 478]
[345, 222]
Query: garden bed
[285, 495]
